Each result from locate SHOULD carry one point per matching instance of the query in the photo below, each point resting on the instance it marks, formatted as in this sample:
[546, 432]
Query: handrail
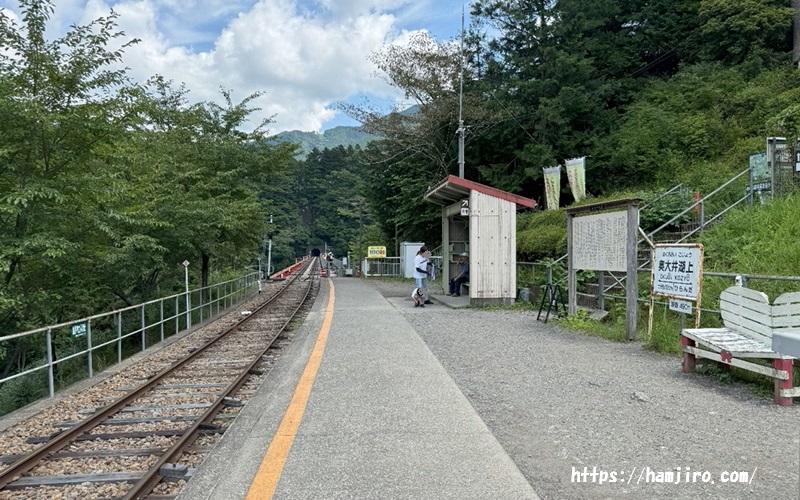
[227, 294]
[709, 221]
[115, 311]
[698, 203]
[662, 195]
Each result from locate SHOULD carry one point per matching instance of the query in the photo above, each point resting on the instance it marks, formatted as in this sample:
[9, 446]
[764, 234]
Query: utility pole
[460, 130]
[796, 33]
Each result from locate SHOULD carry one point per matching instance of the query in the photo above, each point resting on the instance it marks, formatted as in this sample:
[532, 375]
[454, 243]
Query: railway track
[147, 442]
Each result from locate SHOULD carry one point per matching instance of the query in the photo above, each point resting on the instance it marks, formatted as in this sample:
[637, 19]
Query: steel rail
[28, 462]
[153, 477]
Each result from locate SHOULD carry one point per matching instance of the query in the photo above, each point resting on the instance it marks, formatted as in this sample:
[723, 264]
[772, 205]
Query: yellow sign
[376, 252]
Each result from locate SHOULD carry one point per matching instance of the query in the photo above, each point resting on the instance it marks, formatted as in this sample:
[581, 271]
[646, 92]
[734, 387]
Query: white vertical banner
[576, 173]
[552, 186]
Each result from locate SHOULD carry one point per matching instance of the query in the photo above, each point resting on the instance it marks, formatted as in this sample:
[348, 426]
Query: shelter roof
[453, 189]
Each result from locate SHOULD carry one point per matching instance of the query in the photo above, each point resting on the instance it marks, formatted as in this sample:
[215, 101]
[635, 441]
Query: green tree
[329, 188]
[735, 31]
[208, 174]
[62, 106]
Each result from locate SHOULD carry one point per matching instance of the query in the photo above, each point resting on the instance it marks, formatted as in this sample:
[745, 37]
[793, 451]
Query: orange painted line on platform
[266, 479]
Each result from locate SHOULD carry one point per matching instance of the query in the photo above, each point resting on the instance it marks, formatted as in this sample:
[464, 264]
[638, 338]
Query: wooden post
[783, 364]
[632, 281]
[601, 289]
[572, 282]
[445, 249]
[688, 362]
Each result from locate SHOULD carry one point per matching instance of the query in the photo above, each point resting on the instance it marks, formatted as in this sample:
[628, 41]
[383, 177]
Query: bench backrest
[750, 313]
[786, 312]
[747, 312]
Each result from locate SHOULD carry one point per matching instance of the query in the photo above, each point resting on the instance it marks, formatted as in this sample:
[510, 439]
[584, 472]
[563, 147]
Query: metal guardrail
[662, 195]
[701, 205]
[386, 266]
[115, 326]
[732, 276]
[391, 266]
[602, 295]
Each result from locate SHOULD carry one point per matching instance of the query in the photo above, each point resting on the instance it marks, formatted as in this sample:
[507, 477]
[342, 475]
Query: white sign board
[676, 271]
[598, 241]
[681, 306]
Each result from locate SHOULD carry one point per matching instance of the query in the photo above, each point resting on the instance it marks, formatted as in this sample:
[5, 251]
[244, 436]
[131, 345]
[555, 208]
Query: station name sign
[677, 270]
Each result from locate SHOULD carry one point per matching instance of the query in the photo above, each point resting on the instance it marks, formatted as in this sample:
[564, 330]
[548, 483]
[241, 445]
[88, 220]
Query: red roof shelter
[482, 221]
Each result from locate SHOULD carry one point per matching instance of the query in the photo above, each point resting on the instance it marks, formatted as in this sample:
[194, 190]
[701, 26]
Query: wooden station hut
[481, 221]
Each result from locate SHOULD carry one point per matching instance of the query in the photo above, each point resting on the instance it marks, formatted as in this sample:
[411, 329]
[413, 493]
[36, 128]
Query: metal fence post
[188, 296]
[177, 316]
[161, 318]
[119, 337]
[89, 343]
[144, 337]
[702, 215]
[50, 383]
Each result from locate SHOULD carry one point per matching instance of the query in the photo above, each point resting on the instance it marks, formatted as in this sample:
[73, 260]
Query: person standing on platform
[461, 277]
[421, 272]
[329, 263]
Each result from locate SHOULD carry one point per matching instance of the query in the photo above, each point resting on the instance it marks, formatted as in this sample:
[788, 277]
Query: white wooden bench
[749, 321]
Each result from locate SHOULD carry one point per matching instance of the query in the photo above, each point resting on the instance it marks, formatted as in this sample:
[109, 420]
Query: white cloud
[351, 8]
[10, 14]
[303, 54]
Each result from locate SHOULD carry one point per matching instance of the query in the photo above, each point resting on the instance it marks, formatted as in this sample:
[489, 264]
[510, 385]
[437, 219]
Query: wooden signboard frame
[606, 236]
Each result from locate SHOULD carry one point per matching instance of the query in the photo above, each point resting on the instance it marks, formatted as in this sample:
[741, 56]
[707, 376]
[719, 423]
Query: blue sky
[303, 54]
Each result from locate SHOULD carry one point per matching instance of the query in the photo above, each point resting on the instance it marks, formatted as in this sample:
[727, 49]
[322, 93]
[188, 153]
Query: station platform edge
[358, 407]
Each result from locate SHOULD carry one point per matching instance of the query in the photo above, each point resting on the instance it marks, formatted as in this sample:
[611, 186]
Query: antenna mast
[460, 130]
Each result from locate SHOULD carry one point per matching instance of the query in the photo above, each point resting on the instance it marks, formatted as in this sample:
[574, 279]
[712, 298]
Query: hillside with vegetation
[328, 139]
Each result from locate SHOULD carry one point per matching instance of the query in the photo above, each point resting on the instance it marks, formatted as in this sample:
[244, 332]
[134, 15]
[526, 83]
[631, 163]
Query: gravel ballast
[572, 410]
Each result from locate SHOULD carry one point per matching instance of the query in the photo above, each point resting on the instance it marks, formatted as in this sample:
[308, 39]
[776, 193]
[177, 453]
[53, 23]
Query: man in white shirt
[421, 271]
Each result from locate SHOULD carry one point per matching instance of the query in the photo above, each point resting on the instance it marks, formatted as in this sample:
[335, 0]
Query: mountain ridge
[337, 136]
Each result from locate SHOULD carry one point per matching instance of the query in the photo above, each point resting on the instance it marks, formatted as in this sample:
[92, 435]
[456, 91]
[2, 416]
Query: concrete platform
[452, 302]
[438, 301]
[383, 420]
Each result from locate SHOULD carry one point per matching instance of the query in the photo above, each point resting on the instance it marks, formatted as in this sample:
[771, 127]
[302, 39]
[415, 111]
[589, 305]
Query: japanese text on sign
[681, 306]
[677, 271]
[599, 241]
[78, 330]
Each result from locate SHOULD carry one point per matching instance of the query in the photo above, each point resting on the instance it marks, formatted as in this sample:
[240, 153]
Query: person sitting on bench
[462, 277]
